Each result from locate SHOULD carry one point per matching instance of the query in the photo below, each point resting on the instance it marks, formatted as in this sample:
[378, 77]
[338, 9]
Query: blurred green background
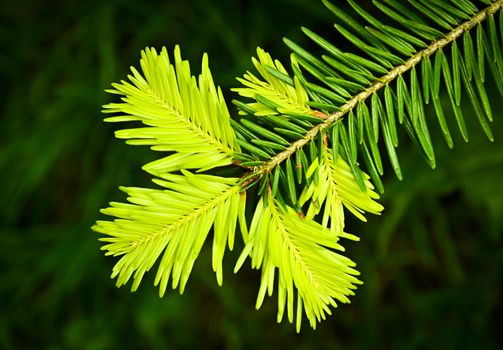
[432, 263]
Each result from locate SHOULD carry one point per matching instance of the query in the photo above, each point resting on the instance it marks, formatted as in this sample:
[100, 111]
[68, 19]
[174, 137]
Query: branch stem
[436, 45]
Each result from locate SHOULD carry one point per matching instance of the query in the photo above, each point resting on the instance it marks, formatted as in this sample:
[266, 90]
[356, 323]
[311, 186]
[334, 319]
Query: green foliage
[181, 116]
[279, 238]
[175, 221]
[335, 188]
[278, 94]
[431, 266]
[300, 141]
[192, 121]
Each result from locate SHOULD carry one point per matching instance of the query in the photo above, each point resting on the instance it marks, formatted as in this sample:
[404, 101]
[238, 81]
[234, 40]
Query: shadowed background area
[432, 263]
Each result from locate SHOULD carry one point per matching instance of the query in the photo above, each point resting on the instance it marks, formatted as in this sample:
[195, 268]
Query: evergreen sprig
[280, 239]
[301, 138]
[184, 116]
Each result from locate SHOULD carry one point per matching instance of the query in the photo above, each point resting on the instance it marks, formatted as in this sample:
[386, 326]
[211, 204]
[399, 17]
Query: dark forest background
[432, 263]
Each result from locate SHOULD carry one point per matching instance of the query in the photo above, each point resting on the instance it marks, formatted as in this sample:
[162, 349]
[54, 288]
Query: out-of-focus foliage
[433, 265]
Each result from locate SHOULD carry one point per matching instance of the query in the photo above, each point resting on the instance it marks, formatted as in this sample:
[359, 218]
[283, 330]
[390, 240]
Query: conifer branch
[436, 45]
[296, 142]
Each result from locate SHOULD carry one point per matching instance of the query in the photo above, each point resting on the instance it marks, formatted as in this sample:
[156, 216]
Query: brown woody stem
[436, 45]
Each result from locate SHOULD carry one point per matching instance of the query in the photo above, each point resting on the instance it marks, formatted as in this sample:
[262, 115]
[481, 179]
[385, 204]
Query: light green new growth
[174, 223]
[286, 94]
[183, 115]
[303, 142]
[193, 121]
[334, 188]
[279, 238]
